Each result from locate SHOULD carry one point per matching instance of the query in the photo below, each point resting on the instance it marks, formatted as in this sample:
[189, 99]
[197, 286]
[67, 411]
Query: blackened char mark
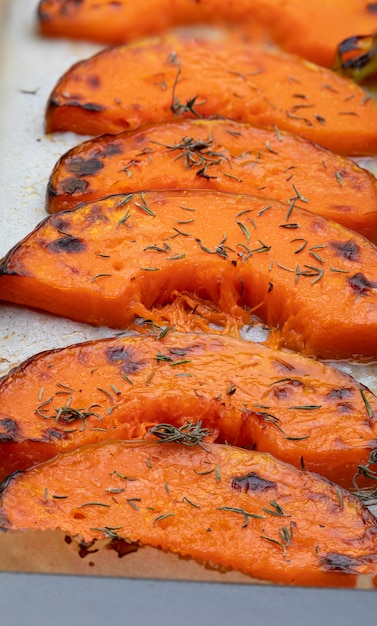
[70, 186]
[84, 167]
[252, 482]
[4, 484]
[372, 7]
[111, 149]
[347, 249]
[88, 106]
[334, 562]
[124, 355]
[94, 81]
[54, 433]
[339, 394]
[9, 430]
[69, 6]
[68, 243]
[360, 284]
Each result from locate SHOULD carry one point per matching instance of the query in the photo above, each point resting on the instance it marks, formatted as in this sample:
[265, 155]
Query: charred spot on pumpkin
[122, 547]
[345, 407]
[50, 191]
[54, 433]
[84, 167]
[73, 185]
[92, 106]
[111, 149]
[120, 354]
[372, 7]
[334, 562]
[68, 5]
[95, 214]
[4, 484]
[68, 243]
[347, 249]
[60, 224]
[285, 388]
[4, 523]
[360, 284]
[251, 482]
[10, 429]
[87, 106]
[339, 394]
[94, 81]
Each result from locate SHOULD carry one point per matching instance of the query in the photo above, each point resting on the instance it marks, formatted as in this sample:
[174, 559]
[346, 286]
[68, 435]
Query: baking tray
[29, 68]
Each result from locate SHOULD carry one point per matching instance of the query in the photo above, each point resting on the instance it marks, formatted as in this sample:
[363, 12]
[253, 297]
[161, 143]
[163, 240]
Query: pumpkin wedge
[110, 261]
[153, 80]
[218, 504]
[216, 154]
[301, 411]
[310, 29]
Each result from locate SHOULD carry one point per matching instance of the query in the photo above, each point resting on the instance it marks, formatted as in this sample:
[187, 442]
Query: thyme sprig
[178, 107]
[67, 414]
[188, 435]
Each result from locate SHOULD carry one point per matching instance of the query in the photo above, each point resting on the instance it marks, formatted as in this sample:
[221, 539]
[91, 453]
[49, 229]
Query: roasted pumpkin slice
[310, 279]
[219, 504]
[301, 411]
[216, 154]
[311, 29]
[153, 80]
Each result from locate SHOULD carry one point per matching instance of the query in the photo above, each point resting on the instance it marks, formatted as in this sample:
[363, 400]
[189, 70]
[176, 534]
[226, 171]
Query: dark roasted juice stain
[84, 167]
[252, 482]
[339, 394]
[68, 539]
[335, 562]
[67, 244]
[73, 185]
[360, 284]
[347, 249]
[84, 548]
[122, 547]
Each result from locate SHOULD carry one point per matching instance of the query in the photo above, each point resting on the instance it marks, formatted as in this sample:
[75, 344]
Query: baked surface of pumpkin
[221, 155]
[140, 255]
[153, 80]
[218, 504]
[301, 411]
